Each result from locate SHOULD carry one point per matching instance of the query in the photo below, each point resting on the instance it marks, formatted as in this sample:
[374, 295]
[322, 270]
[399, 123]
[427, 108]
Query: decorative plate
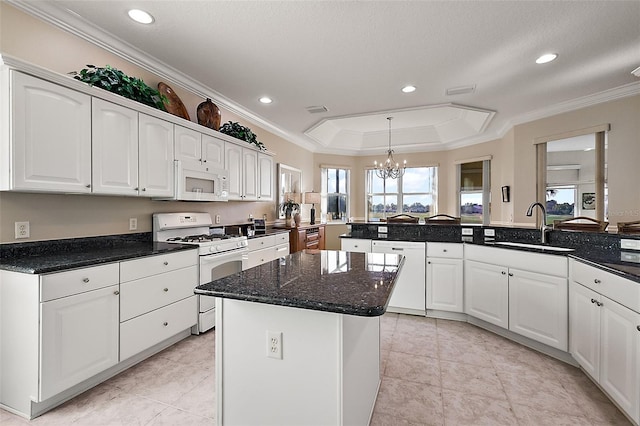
[174, 105]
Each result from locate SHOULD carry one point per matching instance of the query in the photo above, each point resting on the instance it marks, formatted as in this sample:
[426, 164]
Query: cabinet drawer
[282, 237]
[445, 250]
[281, 250]
[153, 265]
[61, 284]
[621, 290]
[262, 242]
[312, 237]
[258, 257]
[314, 245]
[355, 245]
[146, 294]
[142, 332]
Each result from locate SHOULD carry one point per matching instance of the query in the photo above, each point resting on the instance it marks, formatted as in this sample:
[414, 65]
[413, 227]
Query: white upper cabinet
[50, 138]
[245, 178]
[265, 178]
[155, 149]
[213, 152]
[115, 149]
[195, 146]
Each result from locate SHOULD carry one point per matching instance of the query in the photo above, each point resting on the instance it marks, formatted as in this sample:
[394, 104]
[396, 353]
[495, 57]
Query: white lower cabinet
[513, 296]
[408, 295]
[156, 300]
[63, 332]
[538, 307]
[78, 339]
[445, 277]
[264, 249]
[486, 292]
[605, 335]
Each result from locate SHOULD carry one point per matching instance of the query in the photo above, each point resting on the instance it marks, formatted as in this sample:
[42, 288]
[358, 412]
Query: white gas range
[220, 255]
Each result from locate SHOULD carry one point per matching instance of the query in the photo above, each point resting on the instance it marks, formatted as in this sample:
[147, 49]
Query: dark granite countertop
[59, 255]
[323, 280]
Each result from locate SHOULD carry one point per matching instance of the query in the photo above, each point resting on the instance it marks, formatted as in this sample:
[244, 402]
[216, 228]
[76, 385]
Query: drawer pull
[85, 280]
[597, 281]
[166, 289]
[503, 273]
[598, 303]
[510, 274]
[638, 327]
[444, 251]
[166, 263]
[87, 186]
[165, 323]
[429, 262]
[593, 300]
[397, 249]
[116, 292]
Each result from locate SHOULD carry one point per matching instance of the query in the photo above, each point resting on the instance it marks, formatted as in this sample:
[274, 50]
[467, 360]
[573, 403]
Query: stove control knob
[218, 248]
[212, 248]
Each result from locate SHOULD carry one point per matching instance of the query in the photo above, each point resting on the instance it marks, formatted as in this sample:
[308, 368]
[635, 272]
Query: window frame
[324, 193]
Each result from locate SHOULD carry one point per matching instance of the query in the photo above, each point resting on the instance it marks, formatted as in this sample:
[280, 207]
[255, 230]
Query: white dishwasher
[409, 293]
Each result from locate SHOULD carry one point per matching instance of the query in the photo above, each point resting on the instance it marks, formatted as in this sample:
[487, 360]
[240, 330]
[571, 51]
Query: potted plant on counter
[289, 208]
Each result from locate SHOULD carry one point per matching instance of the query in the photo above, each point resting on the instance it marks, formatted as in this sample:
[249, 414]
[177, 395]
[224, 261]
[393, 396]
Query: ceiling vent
[461, 90]
[317, 109]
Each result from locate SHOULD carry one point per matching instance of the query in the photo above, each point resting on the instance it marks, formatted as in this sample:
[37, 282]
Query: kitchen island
[298, 338]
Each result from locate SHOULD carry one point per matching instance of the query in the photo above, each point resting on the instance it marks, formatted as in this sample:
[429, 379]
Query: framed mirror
[289, 186]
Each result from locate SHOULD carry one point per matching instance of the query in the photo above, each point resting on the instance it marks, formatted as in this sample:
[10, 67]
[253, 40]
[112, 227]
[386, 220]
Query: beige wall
[64, 216]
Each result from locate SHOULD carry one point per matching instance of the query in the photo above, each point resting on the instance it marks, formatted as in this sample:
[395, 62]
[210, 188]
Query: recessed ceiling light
[266, 100]
[409, 89]
[548, 57]
[140, 16]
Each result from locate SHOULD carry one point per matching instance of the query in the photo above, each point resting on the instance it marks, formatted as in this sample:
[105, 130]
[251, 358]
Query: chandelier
[389, 168]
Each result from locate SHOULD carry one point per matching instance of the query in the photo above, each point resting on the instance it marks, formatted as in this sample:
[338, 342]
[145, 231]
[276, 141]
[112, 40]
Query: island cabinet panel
[50, 138]
[328, 373]
[79, 339]
[307, 236]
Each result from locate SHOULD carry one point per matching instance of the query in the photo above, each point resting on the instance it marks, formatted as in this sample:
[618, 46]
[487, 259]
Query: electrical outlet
[274, 344]
[217, 218]
[133, 224]
[22, 229]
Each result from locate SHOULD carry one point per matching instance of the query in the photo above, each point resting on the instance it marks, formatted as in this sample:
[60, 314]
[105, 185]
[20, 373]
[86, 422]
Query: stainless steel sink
[534, 246]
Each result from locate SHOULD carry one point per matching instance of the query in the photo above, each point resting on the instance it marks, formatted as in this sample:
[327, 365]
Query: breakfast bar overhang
[298, 338]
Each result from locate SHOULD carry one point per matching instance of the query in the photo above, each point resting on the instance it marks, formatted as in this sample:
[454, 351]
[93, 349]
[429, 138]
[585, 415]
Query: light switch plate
[630, 244]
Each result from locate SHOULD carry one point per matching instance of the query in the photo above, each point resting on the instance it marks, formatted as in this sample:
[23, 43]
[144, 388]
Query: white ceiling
[354, 57]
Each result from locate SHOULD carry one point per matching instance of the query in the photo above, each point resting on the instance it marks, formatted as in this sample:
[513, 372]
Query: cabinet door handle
[85, 280]
[166, 289]
[116, 292]
[510, 274]
[88, 186]
[144, 189]
[503, 273]
[593, 300]
[638, 327]
[165, 263]
[397, 249]
[597, 281]
[445, 250]
[165, 323]
[599, 303]
[136, 188]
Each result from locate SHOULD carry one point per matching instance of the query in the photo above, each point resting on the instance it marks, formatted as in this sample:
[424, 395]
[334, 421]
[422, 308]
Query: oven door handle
[222, 257]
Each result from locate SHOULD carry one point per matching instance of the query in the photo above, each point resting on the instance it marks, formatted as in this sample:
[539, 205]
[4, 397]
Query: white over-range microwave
[198, 182]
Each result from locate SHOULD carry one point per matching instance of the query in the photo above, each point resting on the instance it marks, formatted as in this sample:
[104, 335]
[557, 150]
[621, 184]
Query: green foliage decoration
[241, 132]
[115, 81]
[289, 207]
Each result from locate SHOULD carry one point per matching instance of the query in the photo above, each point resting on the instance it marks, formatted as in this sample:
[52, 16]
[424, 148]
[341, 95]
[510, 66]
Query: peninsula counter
[298, 338]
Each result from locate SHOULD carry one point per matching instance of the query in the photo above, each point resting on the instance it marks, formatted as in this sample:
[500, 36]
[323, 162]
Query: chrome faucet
[544, 228]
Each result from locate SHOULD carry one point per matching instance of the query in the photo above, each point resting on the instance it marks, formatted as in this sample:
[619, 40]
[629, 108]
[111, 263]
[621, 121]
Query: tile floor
[435, 372]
